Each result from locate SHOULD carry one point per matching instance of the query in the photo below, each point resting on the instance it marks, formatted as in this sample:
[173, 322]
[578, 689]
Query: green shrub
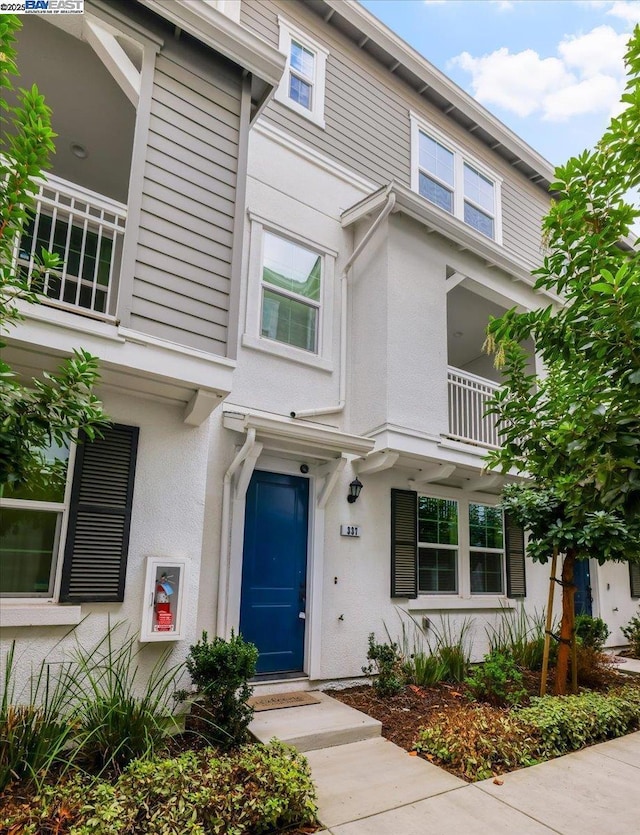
[632, 633]
[567, 723]
[387, 667]
[119, 719]
[478, 742]
[497, 681]
[254, 790]
[592, 632]
[220, 670]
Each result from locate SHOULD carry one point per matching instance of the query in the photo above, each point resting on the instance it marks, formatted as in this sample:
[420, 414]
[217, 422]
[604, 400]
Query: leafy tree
[50, 409]
[574, 430]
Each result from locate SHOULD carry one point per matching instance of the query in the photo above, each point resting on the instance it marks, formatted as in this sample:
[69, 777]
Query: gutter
[333, 410]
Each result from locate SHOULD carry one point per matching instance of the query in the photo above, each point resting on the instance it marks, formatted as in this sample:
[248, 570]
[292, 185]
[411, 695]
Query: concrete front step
[310, 727]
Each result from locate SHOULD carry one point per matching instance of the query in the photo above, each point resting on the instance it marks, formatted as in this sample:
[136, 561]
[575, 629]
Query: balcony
[86, 231]
[468, 396]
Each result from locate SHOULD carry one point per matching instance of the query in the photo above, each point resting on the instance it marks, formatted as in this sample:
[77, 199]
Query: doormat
[277, 701]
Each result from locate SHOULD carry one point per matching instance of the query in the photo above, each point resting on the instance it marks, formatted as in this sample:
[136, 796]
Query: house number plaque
[349, 530]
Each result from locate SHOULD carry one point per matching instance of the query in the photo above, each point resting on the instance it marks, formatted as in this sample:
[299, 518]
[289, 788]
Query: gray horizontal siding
[367, 122]
[182, 279]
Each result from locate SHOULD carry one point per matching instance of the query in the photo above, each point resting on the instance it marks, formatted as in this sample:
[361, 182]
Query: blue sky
[551, 70]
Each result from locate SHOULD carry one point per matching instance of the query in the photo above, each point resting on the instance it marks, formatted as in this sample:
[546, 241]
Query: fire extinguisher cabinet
[164, 589]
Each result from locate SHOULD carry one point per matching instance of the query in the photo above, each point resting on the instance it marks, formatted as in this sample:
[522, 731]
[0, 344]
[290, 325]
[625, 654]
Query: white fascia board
[274, 428]
[127, 352]
[380, 34]
[436, 220]
[223, 34]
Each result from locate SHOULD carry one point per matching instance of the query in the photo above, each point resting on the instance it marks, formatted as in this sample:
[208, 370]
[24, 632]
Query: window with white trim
[452, 180]
[302, 85]
[291, 287]
[290, 295]
[31, 522]
[460, 546]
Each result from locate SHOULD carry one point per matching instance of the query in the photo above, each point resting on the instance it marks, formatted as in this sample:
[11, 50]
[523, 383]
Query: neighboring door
[274, 570]
[582, 581]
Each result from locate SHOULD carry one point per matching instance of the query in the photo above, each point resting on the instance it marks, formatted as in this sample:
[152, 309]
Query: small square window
[302, 86]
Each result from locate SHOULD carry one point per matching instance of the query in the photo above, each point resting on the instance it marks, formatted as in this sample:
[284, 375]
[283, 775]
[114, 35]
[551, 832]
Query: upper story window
[303, 83]
[291, 286]
[289, 295]
[449, 178]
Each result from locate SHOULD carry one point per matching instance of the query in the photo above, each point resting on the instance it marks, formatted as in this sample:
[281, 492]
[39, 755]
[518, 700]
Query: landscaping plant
[120, 714]
[35, 732]
[520, 635]
[592, 632]
[477, 742]
[497, 681]
[257, 789]
[632, 633]
[567, 723]
[386, 666]
[220, 671]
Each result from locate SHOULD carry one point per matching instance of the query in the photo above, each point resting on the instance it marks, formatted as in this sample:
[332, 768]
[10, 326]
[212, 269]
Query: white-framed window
[460, 547]
[289, 299]
[32, 526]
[303, 84]
[451, 179]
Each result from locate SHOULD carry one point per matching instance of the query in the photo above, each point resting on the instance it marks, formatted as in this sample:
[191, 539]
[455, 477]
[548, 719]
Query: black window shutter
[404, 543]
[514, 550]
[95, 558]
[634, 578]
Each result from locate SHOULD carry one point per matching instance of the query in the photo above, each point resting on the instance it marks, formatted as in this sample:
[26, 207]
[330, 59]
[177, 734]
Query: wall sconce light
[354, 490]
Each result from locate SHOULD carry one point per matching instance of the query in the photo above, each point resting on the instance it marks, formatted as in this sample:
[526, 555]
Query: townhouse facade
[308, 228]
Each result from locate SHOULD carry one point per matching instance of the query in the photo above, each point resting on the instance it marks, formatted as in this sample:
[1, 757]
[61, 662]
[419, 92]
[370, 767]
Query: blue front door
[582, 581]
[274, 570]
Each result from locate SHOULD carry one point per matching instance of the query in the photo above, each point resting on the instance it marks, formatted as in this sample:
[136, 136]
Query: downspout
[332, 410]
[223, 579]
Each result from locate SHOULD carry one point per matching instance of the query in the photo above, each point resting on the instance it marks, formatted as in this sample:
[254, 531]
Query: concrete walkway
[369, 786]
[591, 792]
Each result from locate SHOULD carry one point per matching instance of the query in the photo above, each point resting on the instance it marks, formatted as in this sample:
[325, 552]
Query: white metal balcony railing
[468, 398]
[86, 230]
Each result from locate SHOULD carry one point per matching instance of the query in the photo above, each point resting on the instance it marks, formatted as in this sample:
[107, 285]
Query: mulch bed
[403, 716]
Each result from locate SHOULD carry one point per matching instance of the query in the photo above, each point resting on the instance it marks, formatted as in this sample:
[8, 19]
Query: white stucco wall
[167, 520]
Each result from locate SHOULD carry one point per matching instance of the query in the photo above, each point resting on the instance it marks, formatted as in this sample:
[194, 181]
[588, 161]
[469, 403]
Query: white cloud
[599, 51]
[626, 10]
[503, 5]
[516, 81]
[586, 77]
[593, 95]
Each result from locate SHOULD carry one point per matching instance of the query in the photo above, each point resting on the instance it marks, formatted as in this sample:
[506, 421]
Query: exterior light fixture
[354, 490]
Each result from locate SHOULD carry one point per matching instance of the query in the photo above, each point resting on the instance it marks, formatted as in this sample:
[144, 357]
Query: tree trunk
[566, 625]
